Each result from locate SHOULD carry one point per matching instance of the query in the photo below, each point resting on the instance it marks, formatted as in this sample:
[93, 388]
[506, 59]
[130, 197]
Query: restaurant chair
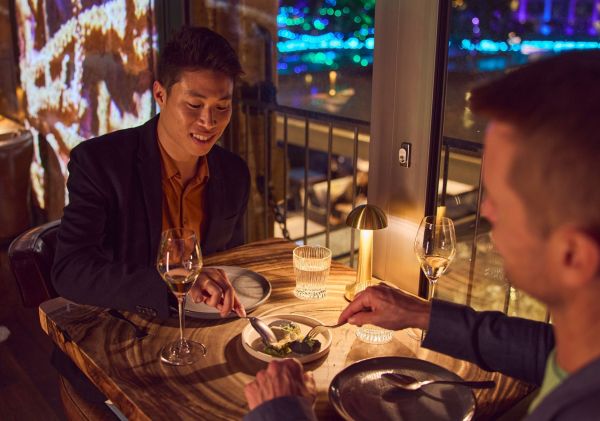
[31, 255]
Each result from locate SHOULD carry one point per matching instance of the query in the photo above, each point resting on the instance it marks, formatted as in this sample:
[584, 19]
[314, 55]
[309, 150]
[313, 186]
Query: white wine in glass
[435, 247]
[433, 266]
[179, 263]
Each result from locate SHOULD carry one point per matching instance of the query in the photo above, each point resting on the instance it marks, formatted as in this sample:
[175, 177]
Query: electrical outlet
[404, 154]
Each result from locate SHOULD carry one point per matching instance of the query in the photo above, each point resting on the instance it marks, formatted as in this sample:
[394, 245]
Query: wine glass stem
[431, 289]
[181, 304]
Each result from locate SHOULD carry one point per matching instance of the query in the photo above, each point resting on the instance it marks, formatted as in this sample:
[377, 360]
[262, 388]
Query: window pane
[325, 55]
[488, 39]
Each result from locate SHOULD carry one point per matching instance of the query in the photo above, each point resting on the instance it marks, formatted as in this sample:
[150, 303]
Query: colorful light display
[330, 34]
[85, 71]
[323, 36]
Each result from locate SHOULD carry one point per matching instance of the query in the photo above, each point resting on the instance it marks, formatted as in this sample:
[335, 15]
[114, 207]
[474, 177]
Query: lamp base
[374, 335]
[350, 291]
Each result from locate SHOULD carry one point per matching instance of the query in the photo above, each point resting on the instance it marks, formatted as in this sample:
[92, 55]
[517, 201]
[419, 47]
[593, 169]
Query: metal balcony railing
[302, 134]
[314, 140]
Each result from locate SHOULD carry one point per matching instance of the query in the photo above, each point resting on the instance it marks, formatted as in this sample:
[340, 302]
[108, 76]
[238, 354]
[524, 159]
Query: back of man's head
[196, 48]
[554, 105]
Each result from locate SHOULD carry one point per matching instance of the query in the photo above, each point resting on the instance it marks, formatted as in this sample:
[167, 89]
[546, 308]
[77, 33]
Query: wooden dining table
[129, 372]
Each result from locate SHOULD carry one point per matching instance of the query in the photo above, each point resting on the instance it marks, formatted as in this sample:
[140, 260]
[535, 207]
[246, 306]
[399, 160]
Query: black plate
[360, 393]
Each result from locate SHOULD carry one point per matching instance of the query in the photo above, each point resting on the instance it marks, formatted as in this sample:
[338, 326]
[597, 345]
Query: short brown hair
[196, 48]
[554, 104]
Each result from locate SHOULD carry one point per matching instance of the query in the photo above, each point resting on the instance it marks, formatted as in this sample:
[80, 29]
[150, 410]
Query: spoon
[410, 383]
[265, 332]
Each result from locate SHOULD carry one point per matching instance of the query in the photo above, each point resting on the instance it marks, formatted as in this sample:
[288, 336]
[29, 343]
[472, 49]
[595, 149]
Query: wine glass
[435, 247]
[179, 263]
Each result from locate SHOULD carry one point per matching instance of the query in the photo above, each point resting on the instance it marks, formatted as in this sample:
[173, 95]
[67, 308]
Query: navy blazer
[110, 232]
[519, 348]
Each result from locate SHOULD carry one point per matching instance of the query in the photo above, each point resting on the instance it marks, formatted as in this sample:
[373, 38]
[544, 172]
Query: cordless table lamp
[366, 219]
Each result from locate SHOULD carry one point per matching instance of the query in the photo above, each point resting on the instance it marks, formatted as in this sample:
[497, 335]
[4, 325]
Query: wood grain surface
[129, 372]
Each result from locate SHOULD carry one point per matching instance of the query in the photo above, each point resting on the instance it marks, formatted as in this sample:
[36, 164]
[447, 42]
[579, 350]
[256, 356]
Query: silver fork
[320, 328]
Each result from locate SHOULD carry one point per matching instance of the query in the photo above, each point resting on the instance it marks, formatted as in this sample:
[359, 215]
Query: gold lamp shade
[366, 217]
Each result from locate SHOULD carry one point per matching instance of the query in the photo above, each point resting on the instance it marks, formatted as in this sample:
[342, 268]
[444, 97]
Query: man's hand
[387, 307]
[280, 378]
[213, 288]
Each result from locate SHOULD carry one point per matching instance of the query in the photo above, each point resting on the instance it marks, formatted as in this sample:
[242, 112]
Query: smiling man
[541, 175]
[126, 187]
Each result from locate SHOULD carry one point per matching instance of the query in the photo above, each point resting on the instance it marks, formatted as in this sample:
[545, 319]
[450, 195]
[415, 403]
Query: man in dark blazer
[542, 198]
[128, 186]
[110, 231]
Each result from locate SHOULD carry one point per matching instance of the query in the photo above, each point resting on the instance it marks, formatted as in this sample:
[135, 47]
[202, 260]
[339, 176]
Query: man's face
[523, 249]
[194, 113]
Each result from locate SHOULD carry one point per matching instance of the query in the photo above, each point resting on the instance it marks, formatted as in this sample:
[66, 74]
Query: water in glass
[311, 267]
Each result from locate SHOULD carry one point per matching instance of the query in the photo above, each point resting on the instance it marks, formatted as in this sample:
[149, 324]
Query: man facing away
[128, 186]
[541, 171]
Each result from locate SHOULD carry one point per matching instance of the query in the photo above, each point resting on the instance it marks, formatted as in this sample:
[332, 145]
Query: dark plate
[251, 288]
[360, 393]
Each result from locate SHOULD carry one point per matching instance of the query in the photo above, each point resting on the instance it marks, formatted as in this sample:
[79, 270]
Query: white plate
[251, 288]
[252, 342]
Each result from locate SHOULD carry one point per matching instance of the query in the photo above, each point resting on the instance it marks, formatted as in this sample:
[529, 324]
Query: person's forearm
[490, 339]
[423, 315]
[88, 279]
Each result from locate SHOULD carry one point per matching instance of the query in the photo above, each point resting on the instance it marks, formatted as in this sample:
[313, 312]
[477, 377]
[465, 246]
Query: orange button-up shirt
[183, 206]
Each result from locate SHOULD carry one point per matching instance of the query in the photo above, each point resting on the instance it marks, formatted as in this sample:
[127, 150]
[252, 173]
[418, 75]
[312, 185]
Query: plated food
[290, 340]
[290, 330]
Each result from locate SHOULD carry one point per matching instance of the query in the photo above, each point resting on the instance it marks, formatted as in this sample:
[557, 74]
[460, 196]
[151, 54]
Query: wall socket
[404, 154]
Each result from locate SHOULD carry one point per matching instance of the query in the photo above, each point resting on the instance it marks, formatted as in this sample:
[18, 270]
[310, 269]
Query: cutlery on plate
[139, 332]
[410, 383]
[320, 328]
[263, 329]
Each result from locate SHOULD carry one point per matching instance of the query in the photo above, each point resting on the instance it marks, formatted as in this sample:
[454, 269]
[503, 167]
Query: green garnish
[292, 328]
[305, 347]
[290, 340]
[277, 352]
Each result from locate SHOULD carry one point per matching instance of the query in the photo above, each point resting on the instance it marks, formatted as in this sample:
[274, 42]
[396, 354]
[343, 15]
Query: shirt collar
[169, 168]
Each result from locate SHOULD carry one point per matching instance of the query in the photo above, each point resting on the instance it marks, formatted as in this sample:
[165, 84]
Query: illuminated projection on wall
[85, 70]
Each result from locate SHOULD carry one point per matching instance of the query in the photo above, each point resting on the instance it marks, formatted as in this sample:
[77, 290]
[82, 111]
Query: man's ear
[577, 254]
[160, 93]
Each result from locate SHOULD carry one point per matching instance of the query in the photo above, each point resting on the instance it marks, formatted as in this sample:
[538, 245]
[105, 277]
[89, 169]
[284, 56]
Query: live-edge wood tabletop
[129, 372]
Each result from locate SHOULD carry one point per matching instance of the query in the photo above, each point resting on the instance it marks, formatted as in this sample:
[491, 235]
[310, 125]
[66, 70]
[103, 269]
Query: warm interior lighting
[366, 219]
[364, 272]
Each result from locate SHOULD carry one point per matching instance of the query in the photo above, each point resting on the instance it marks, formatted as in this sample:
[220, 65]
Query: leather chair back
[31, 255]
